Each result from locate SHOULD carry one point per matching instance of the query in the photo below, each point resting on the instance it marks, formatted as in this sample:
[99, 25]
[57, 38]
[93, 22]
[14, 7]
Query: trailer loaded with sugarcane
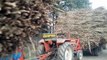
[87, 24]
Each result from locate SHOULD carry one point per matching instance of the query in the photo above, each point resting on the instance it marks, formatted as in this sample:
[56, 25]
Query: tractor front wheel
[79, 55]
[65, 52]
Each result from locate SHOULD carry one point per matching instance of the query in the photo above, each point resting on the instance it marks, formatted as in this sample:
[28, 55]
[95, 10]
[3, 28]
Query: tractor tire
[95, 52]
[65, 52]
[104, 46]
[79, 55]
[40, 50]
[100, 48]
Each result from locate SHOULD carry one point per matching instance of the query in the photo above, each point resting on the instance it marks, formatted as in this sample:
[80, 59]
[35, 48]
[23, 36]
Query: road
[102, 56]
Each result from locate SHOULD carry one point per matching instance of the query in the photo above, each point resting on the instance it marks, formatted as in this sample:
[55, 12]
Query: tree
[73, 4]
[81, 3]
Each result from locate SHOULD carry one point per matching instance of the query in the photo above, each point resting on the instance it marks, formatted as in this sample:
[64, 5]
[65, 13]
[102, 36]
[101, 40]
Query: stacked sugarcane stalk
[86, 24]
[21, 19]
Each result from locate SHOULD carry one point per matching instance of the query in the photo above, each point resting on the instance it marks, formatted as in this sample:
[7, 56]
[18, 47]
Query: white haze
[98, 3]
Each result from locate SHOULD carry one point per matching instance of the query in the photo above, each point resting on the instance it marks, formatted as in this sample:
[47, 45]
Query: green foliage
[73, 4]
[81, 3]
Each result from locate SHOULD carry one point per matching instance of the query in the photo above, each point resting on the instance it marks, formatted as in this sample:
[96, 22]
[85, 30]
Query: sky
[98, 3]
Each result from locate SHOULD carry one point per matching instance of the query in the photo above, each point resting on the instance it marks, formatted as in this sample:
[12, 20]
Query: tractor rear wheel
[65, 52]
[40, 50]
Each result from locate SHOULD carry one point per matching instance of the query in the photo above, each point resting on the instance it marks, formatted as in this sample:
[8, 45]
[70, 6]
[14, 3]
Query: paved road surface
[102, 56]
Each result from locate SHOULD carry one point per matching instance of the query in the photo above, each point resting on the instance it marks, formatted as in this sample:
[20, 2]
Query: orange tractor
[59, 47]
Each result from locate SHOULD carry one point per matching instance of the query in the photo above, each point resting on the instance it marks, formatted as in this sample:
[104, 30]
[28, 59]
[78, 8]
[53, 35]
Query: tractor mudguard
[41, 41]
[60, 40]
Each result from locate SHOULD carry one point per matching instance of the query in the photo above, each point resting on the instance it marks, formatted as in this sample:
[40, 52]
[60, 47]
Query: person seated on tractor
[19, 55]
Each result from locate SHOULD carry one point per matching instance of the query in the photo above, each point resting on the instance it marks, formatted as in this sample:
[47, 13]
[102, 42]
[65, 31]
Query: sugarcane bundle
[20, 19]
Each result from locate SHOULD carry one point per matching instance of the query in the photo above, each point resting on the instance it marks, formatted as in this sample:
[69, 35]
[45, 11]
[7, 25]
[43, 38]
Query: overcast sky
[98, 3]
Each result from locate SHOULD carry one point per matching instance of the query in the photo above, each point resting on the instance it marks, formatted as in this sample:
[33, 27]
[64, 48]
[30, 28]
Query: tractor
[59, 47]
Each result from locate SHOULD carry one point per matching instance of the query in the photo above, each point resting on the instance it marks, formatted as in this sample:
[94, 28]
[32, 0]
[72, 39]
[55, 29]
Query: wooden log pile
[87, 24]
[20, 19]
